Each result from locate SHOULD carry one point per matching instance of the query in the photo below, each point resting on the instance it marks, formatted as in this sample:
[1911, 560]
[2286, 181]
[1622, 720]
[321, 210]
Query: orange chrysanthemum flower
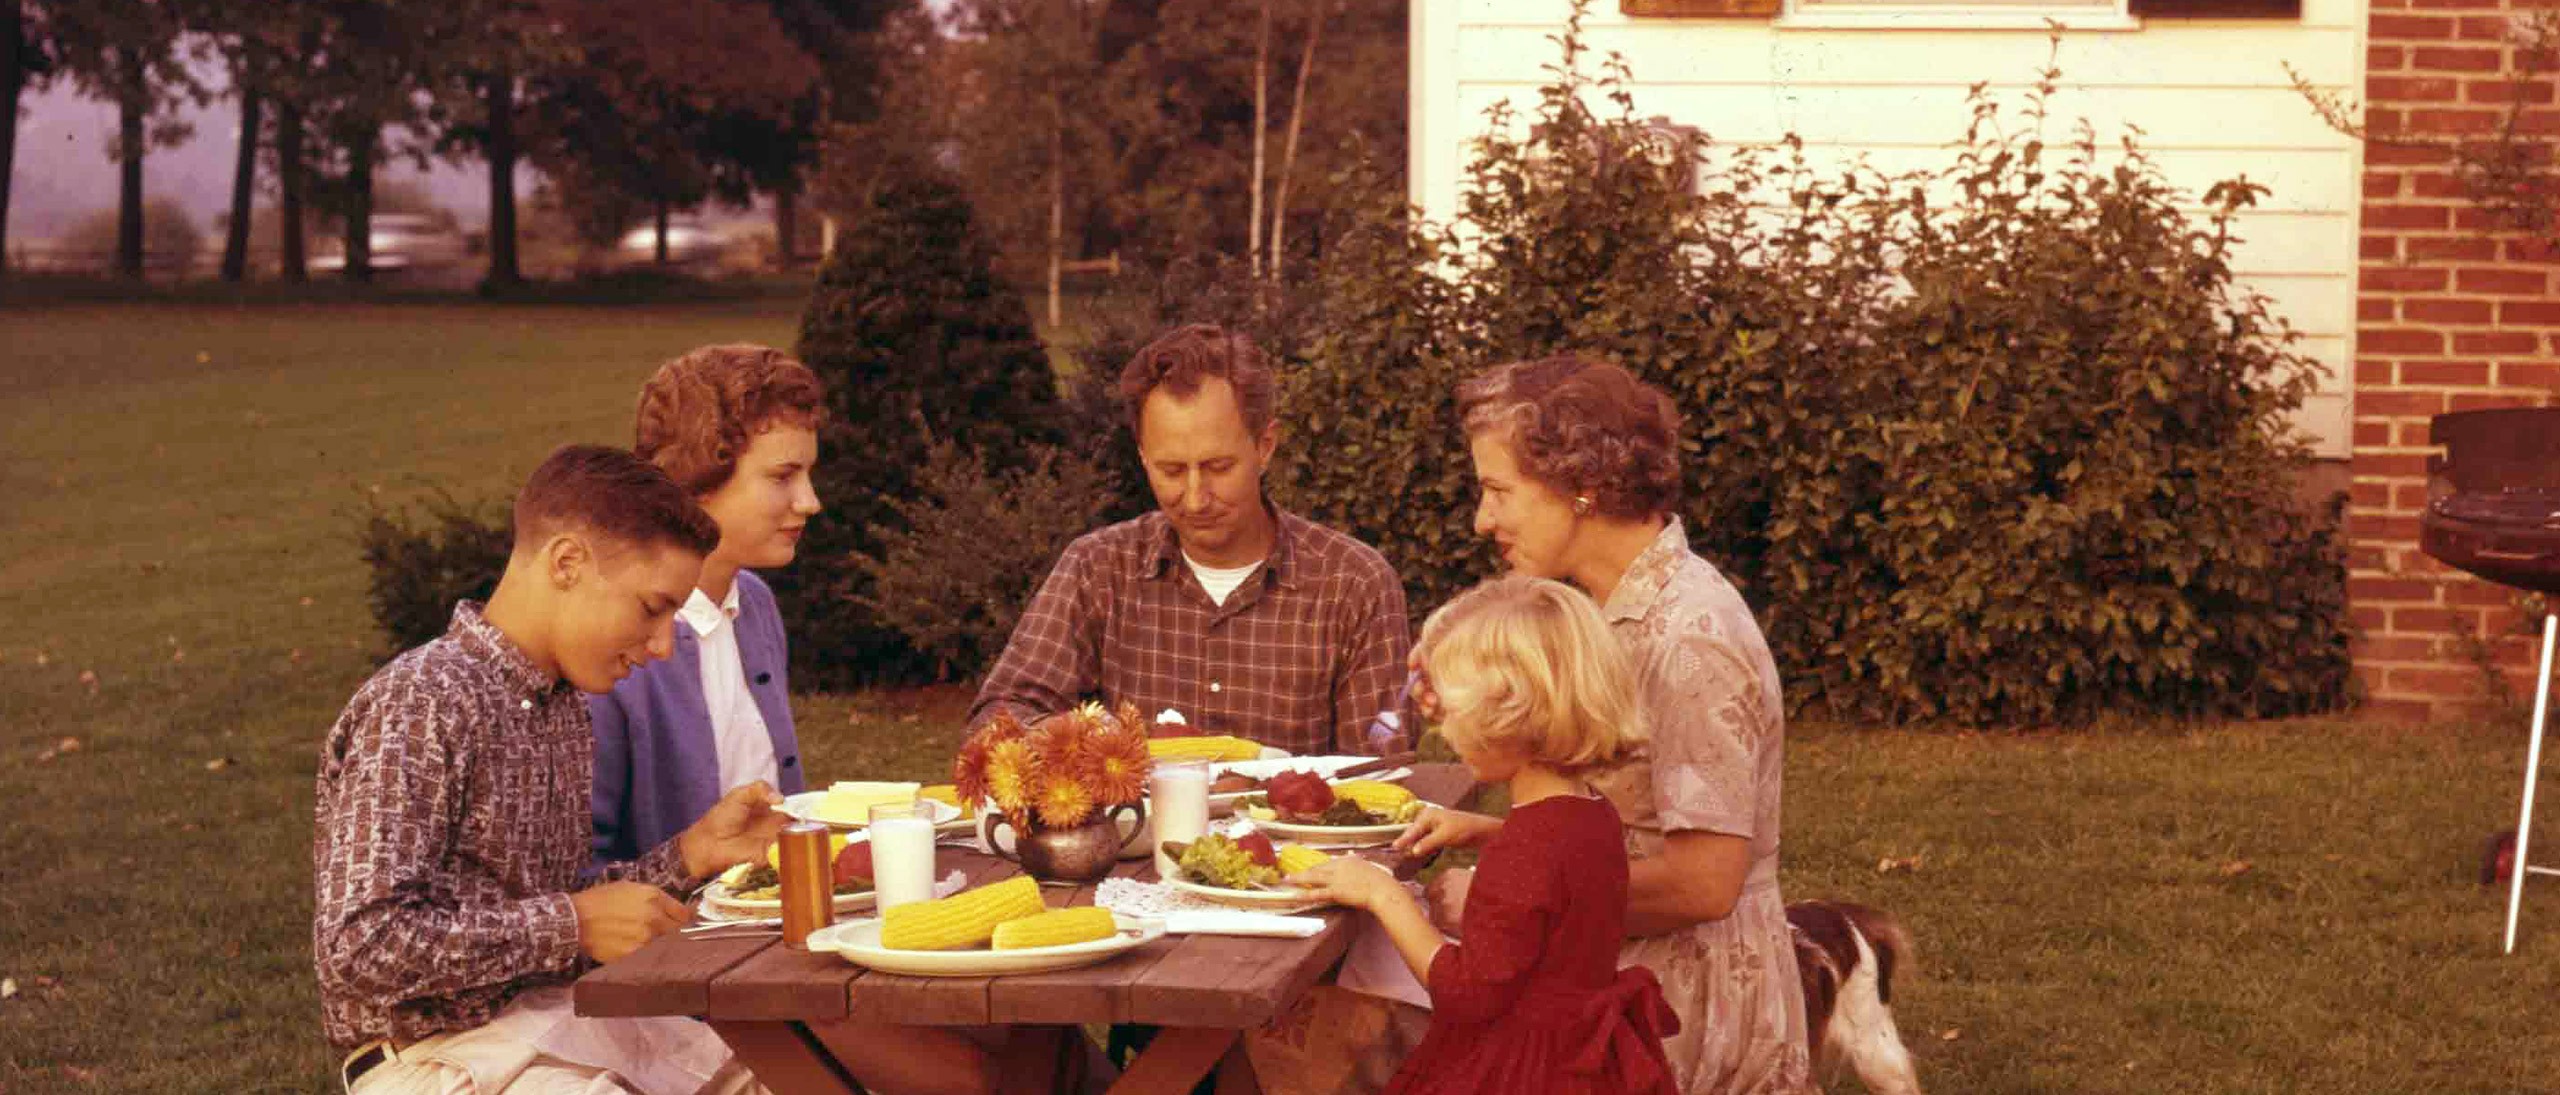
[1062, 744]
[969, 772]
[1003, 727]
[1064, 801]
[1120, 766]
[1010, 767]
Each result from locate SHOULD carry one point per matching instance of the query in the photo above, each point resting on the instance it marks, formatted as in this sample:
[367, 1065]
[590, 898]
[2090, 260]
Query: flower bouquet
[1060, 784]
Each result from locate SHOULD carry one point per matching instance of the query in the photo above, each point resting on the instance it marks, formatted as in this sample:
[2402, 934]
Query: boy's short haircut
[614, 494]
[699, 412]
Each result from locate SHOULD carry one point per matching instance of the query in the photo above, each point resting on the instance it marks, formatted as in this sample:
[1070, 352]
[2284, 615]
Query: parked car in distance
[688, 241]
[403, 241]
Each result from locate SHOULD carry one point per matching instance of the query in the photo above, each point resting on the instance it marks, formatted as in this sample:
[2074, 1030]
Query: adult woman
[1579, 468]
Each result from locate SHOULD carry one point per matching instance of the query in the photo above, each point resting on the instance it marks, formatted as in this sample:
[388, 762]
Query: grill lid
[2494, 496]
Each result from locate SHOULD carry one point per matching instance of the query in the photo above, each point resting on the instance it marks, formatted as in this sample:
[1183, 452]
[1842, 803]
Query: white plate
[859, 942]
[1339, 836]
[718, 905]
[804, 807]
[1286, 898]
[1225, 801]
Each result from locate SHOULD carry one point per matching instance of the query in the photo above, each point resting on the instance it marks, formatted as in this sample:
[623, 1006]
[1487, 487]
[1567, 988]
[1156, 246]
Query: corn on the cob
[1375, 796]
[1057, 928]
[961, 921]
[1203, 747]
[1298, 857]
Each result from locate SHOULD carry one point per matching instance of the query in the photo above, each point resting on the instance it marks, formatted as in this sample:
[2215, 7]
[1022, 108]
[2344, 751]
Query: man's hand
[1440, 827]
[1448, 897]
[617, 918]
[736, 829]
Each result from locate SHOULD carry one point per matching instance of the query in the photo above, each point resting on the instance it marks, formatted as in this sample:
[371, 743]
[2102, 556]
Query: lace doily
[1154, 899]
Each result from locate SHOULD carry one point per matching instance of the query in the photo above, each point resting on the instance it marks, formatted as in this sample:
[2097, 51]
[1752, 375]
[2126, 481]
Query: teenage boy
[452, 833]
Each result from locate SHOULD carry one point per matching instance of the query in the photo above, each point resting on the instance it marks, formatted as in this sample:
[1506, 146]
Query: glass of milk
[1178, 803]
[901, 854]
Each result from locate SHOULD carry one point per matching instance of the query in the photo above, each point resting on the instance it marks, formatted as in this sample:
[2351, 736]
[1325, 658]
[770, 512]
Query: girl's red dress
[1533, 1000]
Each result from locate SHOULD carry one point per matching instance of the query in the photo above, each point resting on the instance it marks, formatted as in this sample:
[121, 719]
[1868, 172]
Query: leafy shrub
[170, 239]
[916, 339]
[1997, 443]
[972, 545]
[419, 564]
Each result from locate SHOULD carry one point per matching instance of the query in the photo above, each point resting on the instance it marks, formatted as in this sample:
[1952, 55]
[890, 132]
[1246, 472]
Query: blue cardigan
[657, 769]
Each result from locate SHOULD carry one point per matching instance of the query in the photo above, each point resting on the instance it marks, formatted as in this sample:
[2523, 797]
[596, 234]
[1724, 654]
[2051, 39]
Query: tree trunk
[292, 258]
[131, 106]
[662, 231]
[244, 180]
[504, 271]
[13, 80]
[786, 224]
[359, 235]
[1289, 147]
[1057, 201]
[1261, 122]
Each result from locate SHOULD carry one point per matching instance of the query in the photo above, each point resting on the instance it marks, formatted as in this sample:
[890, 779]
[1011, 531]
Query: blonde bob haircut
[1527, 665]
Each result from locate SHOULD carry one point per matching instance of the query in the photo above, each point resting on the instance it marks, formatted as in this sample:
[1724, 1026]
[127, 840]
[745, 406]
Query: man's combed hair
[1181, 359]
[1582, 427]
[613, 494]
[700, 411]
[1528, 664]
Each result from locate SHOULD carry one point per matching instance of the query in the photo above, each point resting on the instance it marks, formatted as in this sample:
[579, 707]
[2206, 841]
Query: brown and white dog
[1846, 955]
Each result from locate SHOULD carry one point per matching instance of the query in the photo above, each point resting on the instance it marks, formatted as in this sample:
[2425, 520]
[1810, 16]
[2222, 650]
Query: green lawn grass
[177, 505]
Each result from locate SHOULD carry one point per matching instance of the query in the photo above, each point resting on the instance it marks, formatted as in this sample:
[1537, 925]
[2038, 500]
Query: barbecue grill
[2493, 508]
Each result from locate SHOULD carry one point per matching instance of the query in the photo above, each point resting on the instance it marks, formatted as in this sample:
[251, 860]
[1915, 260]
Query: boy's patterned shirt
[453, 824]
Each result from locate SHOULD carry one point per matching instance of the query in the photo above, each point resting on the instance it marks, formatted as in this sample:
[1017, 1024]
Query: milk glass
[1178, 801]
[901, 854]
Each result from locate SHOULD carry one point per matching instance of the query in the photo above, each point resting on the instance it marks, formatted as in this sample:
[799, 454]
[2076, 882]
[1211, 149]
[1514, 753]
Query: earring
[1582, 505]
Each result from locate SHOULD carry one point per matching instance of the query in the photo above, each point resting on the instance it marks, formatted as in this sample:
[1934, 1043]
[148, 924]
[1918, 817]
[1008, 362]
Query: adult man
[453, 815]
[1247, 619]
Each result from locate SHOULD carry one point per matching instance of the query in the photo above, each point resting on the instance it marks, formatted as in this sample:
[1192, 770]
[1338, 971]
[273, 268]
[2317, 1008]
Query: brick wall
[2453, 314]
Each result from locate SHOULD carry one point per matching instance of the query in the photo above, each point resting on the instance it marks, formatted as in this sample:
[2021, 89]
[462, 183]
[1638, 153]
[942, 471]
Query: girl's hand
[1352, 881]
[1439, 828]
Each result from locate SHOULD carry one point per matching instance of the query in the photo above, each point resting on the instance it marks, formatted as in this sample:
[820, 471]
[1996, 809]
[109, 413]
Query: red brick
[2429, 621]
[2541, 312]
[2377, 310]
[2376, 372]
[2502, 91]
[2458, 58]
[2406, 279]
[2412, 89]
[2381, 186]
[2381, 248]
[2370, 619]
[2405, 465]
[2396, 648]
[2454, 248]
[2372, 434]
[2419, 402]
[2473, 593]
[2528, 249]
[2374, 497]
[2363, 557]
[2400, 155]
[2449, 311]
[2438, 184]
[2496, 342]
[2385, 58]
[2526, 282]
[2398, 340]
[2432, 28]
[2388, 709]
[2415, 433]
[2529, 374]
[2473, 218]
[2408, 497]
[2447, 682]
[2451, 374]
[2466, 122]
[2435, 217]
[2500, 401]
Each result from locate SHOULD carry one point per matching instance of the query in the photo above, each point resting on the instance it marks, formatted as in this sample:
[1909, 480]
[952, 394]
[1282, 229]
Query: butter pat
[849, 802]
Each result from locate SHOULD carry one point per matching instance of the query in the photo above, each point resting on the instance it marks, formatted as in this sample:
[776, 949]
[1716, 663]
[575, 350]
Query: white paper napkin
[1240, 922]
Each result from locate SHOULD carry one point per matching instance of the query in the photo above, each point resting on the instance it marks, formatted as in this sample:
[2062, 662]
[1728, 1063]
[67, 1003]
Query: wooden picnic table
[776, 1006]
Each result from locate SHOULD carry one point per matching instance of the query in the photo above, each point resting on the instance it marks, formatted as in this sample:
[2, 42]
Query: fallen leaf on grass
[2335, 857]
[306, 602]
[90, 677]
[84, 1075]
[43, 659]
[177, 656]
[2235, 868]
[1950, 1034]
[1890, 864]
[8, 987]
[219, 763]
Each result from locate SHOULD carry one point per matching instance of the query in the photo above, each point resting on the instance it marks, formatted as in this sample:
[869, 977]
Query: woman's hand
[1426, 700]
[1440, 827]
[1352, 881]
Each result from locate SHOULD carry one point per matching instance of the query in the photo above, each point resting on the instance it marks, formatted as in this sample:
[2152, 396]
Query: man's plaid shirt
[1303, 655]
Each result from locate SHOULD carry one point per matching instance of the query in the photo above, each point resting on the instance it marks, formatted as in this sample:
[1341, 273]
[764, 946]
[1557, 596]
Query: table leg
[1176, 1060]
[784, 1057]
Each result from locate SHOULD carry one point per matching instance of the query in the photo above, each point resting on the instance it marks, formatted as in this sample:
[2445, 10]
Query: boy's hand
[736, 829]
[1440, 827]
[617, 918]
[1351, 881]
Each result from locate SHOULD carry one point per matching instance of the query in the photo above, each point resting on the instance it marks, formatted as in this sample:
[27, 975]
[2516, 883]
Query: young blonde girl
[1532, 690]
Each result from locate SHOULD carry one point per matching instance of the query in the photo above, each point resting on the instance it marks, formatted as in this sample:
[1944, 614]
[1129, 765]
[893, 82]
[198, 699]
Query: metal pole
[2532, 768]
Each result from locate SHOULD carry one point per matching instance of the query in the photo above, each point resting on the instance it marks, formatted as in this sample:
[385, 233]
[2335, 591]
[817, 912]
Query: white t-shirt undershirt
[738, 733]
[1220, 583]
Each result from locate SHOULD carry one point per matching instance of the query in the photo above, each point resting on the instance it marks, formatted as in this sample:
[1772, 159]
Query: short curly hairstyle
[700, 411]
[1584, 428]
[1180, 359]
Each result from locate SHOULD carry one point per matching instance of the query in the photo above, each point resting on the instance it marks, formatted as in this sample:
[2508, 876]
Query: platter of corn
[1004, 927]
